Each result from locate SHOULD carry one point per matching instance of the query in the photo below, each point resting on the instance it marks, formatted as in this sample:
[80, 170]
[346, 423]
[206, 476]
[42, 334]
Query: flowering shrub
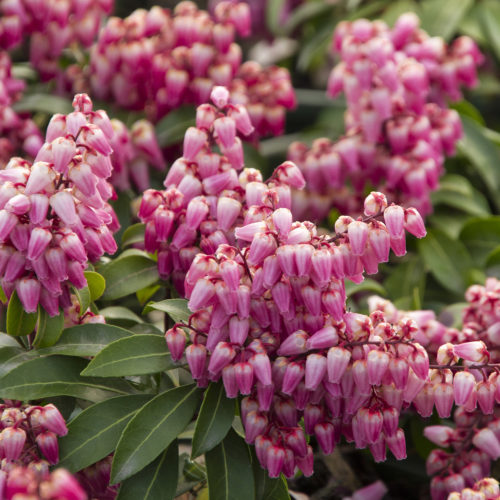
[235, 331]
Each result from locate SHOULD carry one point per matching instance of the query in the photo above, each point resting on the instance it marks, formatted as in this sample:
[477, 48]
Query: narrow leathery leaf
[48, 330]
[120, 314]
[157, 481]
[152, 429]
[177, 309]
[128, 274]
[94, 433]
[19, 322]
[86, 340]
[83, 297]
[267, 488]
[228, 466]
[134, 355]
[214, 420]
[133, 234]
[47, 376]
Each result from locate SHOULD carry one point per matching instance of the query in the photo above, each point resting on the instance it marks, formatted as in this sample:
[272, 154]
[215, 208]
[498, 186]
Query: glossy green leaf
[96, 284]
[48, 330]
[396, 8]
[146, 293]
[128, 274]
[481, 152]
[447, 260]
[43, 103]
[133, 234]
[11, 357]
[457, 192]
[152, 429]
[19, 322]
[214, 420]
[489, 18]
[85, 340]
[157, 481]
[481, 236]
[406, 277]
[368, 285]
[93, 434]
[120, 314]
[442, 17]
[134, 355]
[228, 470]
[170, 130]
[177, 309]
[465, 108]
[57, 376]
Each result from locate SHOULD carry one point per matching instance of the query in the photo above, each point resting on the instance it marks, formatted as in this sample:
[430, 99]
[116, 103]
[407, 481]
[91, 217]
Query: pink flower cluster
[270, 321]
[54, 213]
[474, 443]
[18, 133]
[204, 196]
[485, 489]
[52, 26]
[158, 60]
[398, 129]
[133, 151]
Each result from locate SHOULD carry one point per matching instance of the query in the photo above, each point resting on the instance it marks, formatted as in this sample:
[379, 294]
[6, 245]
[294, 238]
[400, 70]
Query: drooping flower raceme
[158, 60]
[18, 133]
[398, 129]
[52, 25]
[270, 320]
[54, 213]
[205, 198]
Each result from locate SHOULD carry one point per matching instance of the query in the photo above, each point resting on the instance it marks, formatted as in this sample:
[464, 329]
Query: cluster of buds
[485, 489]
[474, 443]
[398, 130]
[204, 197]
[18, 133]
[52, 25]
[54, 213]
[269, 319]
[37, 482]
[29, 430]
[158, 60]
[133, 151]
[95, 480]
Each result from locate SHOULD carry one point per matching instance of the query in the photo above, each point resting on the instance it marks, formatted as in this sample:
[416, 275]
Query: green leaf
[489, 18]
[43, 103]
[395, 9]
[157, 481]
[48, 329]
[442, 17]
[19, 322]
[56, 376]
[493, 258]
[152, 429]
[86, 340]
[214, 420]
[405, 278]
[481, 236]
[83, 297]
[447, 260]
[304, 13]
[267, 488]
[146, 293]
[3, 297]
[457, 192]
[94, 433]
[120, 314]
[128, 274]
[228, 466]
[11, 357]
[171, 129]
[481, 152]
[177, 309]
[465, 108]
[134, 355]
[368, 285]
[96, 284]
[133, 234]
